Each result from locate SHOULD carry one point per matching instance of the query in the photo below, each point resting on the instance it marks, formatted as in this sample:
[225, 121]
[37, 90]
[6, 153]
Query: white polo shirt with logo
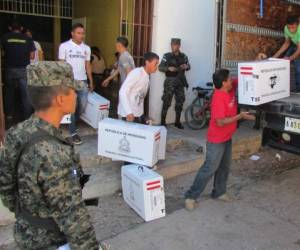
[76, 55]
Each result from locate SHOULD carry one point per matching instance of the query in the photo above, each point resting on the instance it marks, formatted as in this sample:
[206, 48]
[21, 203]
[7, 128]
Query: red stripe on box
[157, 138]
[246, 73]
[155, 187]
[152, 183]
[246, 68]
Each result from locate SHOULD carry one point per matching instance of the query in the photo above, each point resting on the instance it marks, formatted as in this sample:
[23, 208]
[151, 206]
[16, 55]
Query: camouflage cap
[176, 41]
[52, 73]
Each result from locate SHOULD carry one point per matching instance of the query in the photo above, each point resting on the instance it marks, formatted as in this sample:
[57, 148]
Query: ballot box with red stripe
[263, 81]
[143, 191]
[97, 108]
[131, 142]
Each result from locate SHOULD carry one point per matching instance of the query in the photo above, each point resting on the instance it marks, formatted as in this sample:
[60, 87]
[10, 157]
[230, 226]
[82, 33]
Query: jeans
[296, 62]
[217, 164]
[82, 97]
[16, 77]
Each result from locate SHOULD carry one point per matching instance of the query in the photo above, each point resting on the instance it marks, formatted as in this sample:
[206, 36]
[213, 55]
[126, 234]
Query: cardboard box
[263, 81]
[131, 142]
[143, 191]
[97, 109]
[66, 119]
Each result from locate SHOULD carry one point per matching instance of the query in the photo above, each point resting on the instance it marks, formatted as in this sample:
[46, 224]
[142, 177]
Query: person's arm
[108, 79]
[283, 48]
[296, 54]
[88, 69]
[163, 66]
[124, 95]
[62, 191]
[186, 66]
[228, 120]
[62, 53]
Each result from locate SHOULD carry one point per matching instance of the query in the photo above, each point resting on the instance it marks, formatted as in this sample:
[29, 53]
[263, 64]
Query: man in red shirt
[222, 126]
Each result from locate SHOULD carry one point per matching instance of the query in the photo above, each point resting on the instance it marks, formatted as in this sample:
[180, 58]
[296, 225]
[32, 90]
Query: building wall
[194, 22]
[103, 24]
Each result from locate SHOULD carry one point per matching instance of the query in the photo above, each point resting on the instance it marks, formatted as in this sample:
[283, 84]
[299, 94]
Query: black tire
[195, 122]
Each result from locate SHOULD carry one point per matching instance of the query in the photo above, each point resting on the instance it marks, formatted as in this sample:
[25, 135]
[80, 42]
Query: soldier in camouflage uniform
[39, 174]
[174, 65]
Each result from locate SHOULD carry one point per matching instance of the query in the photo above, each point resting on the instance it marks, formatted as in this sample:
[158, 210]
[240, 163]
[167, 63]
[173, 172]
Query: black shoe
[178, 125]
[163, 124]
[76, 139]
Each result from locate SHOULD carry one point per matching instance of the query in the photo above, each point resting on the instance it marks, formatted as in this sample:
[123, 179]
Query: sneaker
[76, 139]
[190, 204]
[225, 198]
[179, 125]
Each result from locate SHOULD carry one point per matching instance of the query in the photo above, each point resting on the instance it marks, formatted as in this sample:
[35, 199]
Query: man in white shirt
[134, 90]
[125, 61]
[78, 54]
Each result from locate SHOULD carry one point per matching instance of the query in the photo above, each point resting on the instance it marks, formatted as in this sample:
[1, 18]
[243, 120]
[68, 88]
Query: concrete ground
[264, 216]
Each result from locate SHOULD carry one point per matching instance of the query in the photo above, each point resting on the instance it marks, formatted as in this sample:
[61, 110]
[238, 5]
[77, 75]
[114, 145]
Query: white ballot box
[97, 108]
[263, 81]
[131, 142]
[143, 191]
[66, 119]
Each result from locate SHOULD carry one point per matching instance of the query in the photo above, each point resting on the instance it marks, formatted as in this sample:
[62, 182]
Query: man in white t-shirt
[134, 90]
[78, 54]
[125, 61]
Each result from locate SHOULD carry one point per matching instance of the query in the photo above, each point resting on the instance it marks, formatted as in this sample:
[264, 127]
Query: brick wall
[243, 46]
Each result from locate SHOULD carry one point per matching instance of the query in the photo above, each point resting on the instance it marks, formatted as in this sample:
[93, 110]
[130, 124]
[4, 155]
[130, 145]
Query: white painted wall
[194, 21]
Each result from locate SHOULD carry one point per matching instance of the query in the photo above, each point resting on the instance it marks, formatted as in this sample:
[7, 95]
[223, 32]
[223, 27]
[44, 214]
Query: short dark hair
[150, 56]
[123, 40]
[77, 25]
[15, 25]
[292, 20]
[41, 97]
[219, 77]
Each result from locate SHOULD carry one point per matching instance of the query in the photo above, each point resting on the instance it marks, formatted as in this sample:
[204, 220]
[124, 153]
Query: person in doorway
[78, 54]
[98, 65]
[38, 53]
[134, 90]
[291, 46]
[125, 62]
[18, 51]
[40, 173]
[222, 126]
[174, 65]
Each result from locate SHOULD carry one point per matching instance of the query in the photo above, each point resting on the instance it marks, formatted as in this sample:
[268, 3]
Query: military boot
[163, 120]
[177, 121]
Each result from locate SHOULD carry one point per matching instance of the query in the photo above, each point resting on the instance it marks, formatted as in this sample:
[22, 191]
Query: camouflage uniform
[174, 84]
[48, 184]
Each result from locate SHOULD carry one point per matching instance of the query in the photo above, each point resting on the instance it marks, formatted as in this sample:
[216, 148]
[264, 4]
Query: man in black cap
[174, 65]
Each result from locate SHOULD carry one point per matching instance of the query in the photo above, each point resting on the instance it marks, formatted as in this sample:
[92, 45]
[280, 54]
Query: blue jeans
[296, 62]
[82, 97]
[217, 164]
[16, 77]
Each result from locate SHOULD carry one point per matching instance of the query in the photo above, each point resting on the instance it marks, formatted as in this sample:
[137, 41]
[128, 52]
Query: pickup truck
[281, 124]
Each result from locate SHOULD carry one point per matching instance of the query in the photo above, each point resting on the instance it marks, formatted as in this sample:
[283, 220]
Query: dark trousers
[217, 164]
[16, 78]
[173, 87]
[296, 63]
